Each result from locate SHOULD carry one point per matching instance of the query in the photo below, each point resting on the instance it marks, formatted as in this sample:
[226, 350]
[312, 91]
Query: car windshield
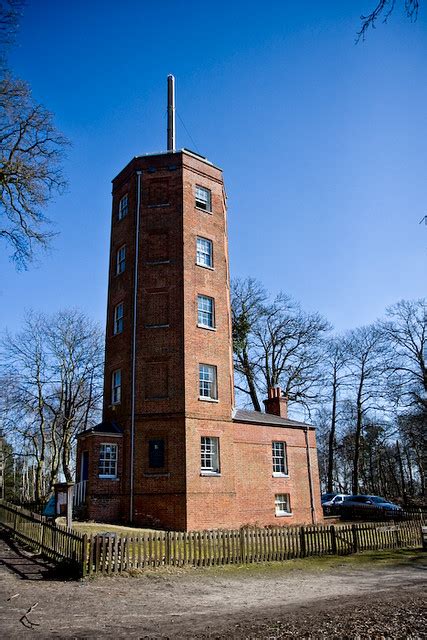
[327, 496]
[377, 499]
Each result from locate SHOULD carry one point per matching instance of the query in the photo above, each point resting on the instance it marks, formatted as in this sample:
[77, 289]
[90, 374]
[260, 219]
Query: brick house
[172, 450]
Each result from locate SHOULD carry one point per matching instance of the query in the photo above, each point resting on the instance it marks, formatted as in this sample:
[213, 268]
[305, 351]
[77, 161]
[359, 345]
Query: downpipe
[310, 478]
[134, 334]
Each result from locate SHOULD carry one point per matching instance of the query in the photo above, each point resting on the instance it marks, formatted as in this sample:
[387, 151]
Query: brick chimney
[276, 403]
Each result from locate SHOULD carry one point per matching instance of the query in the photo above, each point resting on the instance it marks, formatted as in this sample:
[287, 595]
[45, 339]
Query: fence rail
[111, 554]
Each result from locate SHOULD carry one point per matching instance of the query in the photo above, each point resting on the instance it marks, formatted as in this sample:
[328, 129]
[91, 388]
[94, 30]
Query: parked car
[332, 506]
[327, 496]
[369, 508]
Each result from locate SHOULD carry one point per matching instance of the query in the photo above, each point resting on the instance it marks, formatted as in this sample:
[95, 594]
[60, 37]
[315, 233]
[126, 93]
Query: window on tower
[205, 312]
[203, 198]
[204, 252]
[156, 454]
[123, 207]
[207, 382]
[121, 260]
[209, 453]
[118, 319]
[107, 465]
[116, 387]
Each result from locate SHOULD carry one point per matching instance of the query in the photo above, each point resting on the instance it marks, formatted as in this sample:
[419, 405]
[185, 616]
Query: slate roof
[268, 419]
[108, 426]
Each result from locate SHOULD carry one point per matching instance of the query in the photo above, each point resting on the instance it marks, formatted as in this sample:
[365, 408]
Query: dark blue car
[369, 507]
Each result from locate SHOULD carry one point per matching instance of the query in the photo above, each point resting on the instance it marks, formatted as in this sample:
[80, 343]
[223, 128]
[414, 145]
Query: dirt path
[220, 603]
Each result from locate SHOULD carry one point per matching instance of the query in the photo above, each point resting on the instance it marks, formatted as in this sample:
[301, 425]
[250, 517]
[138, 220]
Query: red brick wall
[245, 491]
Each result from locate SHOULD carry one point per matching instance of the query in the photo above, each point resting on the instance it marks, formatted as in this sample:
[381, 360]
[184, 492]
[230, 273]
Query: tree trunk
[331, 443]
[402, 475]
[247, 369]
[357, 438]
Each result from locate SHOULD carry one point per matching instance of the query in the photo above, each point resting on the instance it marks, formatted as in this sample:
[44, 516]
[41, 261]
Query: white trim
[205, 326]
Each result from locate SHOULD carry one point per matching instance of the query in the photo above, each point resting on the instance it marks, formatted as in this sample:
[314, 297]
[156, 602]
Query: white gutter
[133, 382]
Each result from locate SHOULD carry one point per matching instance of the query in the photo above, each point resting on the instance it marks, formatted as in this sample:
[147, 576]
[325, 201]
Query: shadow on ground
[28, 565]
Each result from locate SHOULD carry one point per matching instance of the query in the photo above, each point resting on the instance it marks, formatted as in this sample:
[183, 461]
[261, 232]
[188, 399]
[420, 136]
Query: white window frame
[205, 316]
[201, 202]
[208, 382]
[282, 503]
[280, 459]
[107, 460]
[123, 206]
[116, 386]
[121, 260]
[118, 319]
[209, 456]
[201, 252]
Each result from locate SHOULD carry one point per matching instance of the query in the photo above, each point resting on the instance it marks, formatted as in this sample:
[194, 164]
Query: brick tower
[166, 450]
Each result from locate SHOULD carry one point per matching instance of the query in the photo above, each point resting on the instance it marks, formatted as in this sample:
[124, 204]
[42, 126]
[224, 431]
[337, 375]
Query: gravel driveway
[340, 601]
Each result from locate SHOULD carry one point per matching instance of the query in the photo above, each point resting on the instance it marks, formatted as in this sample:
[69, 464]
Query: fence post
[303, 545]
[333, 540]
[84, 555]
[168, 548]
[242, 545]
[354, 534]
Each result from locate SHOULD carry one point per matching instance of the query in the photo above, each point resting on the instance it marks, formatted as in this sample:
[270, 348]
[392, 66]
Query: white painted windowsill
[210, 474]
[280, 475]
[283, 514]
[205, 266]
[203, 399]
[205, 326]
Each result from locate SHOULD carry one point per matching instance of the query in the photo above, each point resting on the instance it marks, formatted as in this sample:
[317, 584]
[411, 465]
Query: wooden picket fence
[57, 543]
[111, 554]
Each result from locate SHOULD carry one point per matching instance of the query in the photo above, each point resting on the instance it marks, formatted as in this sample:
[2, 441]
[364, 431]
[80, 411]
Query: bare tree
[31, 153]
[248, 298]
[366, 350]
[76, 352]
[335, 376]
[383, 11]
[53, 373]
[276, 344]
[405, 331]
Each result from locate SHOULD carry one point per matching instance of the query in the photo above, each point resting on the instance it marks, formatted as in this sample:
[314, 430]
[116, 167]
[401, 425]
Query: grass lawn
[93, 528]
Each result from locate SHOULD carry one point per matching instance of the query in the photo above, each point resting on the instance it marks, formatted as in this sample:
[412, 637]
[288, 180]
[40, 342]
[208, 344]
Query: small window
[118, 319]
[283, 504]
[116, 387]
[204, 252]
[280, 465]
[107, 467]
[156, 454]
[121, 260]
[207, 382]
[123, 207]
[205, 312]
[209, 455]
[203, 198]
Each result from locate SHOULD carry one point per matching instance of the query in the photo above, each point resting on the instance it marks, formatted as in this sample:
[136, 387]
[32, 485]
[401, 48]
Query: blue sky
[322, 142]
